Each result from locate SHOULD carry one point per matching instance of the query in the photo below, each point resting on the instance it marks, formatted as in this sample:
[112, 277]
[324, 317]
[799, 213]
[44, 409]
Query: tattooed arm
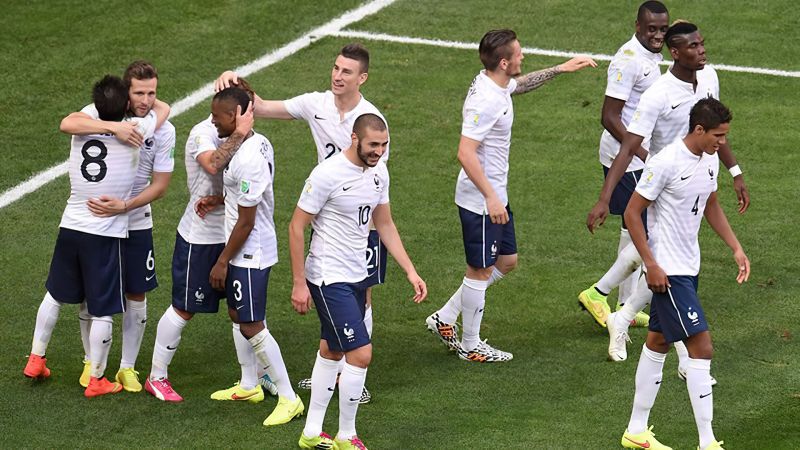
[533, 80]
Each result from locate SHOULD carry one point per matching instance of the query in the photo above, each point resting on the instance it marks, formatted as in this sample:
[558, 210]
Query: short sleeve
[622, 74]
[198, 143]
[165, 148]
[91, 111]
[384, 174]
[298, 106]
[654, 179]
[646, 115]
[315, 193]
[251, 173]
[146, 125]
[479, 118]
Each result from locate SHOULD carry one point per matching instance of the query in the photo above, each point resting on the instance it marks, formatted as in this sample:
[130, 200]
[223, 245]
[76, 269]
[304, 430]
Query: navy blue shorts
[191, 266]
[341, 307]
[376, 260]
[246, 290]
[88, 266]
[140, 262]
[484, 241]
[622, 194]
[677, 314]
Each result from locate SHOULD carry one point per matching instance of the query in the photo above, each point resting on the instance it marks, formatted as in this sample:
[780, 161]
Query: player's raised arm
[264, 109]
[719, 223]
[533, 80]
[81, 124]
[301, 297]
[382, 217]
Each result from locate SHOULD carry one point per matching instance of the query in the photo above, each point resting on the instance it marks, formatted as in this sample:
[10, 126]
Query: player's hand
[657, 279]
[217, 276]
[741, 193]
[128, 133]
[497, 210]
[420, 288]
[597, 216]
[244, 121]
[207, 204]
[744, 266]
[577, 63]
[106, 206]
[226, 80]
[301, 298]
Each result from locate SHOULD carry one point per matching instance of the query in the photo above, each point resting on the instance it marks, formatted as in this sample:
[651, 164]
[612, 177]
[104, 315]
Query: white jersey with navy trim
[100, 164]
[157, 155]
[342, 197]
[631, 72]
[663, 110]
[488, 115]
[210, 229]
[678, 183]
[248, 182]
[331, 132]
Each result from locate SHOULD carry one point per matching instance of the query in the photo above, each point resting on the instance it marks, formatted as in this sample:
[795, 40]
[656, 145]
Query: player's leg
[85, 322]
[618, 322]
[140, 278]
[351, 383]
[323, 384]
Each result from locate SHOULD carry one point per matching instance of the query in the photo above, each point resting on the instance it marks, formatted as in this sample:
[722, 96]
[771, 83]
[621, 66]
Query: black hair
[236, 96]
[709, 113]
[679, 28]
[368, 120]
[110, 97]
[653, 6]
[496, 45]
[357, 52]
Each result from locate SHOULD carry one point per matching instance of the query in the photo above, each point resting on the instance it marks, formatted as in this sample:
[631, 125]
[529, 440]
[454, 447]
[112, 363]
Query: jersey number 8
[89, 159]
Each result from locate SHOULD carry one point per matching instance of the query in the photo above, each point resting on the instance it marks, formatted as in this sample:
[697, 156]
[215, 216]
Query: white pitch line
[540, 51]
[196, 97]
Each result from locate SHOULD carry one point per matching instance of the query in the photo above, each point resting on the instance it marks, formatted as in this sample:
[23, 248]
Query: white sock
[323, 383]
[268, 356]
[698, 383]
[100, 344]
[351, 383]
[628, 284]
[637, 301]
[683, 356]
[134, 320]
[473, 298]
[368, 320]
[648, 380]
[247, 359]
[46, 320]
[627, 261]
[168, 336]
[85, 320]
[452, 309]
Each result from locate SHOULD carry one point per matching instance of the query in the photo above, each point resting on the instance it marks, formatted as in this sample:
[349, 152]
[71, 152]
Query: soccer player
[88, 257]
[663, 114]
[340, 197]
[487, 223]
[633, 69]
[678, 189]
[152, 180]
[330, 116]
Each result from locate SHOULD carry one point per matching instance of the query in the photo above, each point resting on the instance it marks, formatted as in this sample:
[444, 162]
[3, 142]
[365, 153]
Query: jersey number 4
[695, 209]
[94, 160]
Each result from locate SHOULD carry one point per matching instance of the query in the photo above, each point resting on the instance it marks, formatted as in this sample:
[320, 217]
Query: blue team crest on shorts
[245, 186]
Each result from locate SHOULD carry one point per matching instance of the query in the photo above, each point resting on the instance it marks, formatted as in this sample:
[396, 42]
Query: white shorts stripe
[188, 271]
[333, 325]
[250, 293]
[677, 312]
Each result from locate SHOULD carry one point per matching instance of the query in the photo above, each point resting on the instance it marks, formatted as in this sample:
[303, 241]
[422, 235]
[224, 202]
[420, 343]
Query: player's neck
[692, 146]
[684, 74]
[352, 155]
[500, 77]
[346, 102]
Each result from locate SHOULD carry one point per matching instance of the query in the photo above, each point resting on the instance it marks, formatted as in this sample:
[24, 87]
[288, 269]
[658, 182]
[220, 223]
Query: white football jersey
[157, 155]
[632, 70]
[678, 183]
[331, 133]
[248, 182]
[342, 197]
[100, 164]
[488, 114]
[210, 229]
[663, 110]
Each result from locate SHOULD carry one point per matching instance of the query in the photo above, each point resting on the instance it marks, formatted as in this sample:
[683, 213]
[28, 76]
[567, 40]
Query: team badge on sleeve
[244, 186]
[307, 188]
[649, 177]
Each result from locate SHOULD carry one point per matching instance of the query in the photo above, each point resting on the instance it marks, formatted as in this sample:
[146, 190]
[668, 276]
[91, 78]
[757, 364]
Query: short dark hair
[653, 6]
[496, 45]
[709, 113]
[678, 28]
[140, 70]
[110, 97]
[368, 120]
[245, 86]
[359, 53]
[234, 95]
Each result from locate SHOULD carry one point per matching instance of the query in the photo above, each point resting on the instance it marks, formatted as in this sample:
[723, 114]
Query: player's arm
[384, 224]
[597, 216]
[533, 80]
[301, 297]
[241, 230]
[162, 112]
[107, 206]
[215, 161]
[265, 109]
[81, 124]
[468, 157]
[719, 223]
[729, 160]
[611, 117]
[656, 277]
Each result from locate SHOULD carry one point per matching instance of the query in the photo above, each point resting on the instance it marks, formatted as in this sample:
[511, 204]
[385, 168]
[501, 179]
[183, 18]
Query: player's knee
[135, 297]
[360, 357]
[185, 315]
[250, 329]
[330, 354]
[506, 263]
[479, 273]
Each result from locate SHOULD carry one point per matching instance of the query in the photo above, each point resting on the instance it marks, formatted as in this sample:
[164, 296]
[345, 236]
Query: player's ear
[354, 138]
[699, 130]
[362, 78]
